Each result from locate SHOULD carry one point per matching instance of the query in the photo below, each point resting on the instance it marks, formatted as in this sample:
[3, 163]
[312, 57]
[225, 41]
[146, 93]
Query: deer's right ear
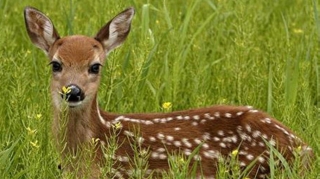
[116, 31]
[40, 29]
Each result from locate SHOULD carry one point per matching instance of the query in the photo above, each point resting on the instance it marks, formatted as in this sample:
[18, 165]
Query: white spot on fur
[223, 145]
[197, 141]
[248, 127]
[256, 134]
[243, 164]
[154, 155]
[207, 115]
[206, 136]
[261, 144]
[162, 156]
[261, 159]
[152, 139]
[196, 117]
[160, 136]
[169, 118]
[211, 154]
[177, 143]
[186, 142]
[266, 120]
[163, 120]
[205, 146]
[161, 149]
[239, 113]
[148, 122]
[220, 133]
[169, 138]
[122, 158]
[156, 120]
[250, 157]
[128, 133]
[186, 117]
[187, 152]
[241, 152]
[228, 115]
[253, 111]
[264, 136]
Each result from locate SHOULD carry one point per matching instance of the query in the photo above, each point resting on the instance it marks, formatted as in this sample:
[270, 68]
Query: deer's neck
[75, 126]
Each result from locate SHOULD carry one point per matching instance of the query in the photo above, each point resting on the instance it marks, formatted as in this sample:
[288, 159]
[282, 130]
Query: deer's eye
[56, 66]
[95, 68]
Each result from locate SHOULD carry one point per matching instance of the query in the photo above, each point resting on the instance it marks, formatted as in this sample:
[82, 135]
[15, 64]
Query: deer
[216, 132]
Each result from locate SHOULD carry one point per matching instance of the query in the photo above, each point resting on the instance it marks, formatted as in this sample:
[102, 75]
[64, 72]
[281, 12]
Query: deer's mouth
[74, 104]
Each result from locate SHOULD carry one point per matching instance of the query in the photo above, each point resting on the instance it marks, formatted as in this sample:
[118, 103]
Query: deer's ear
[40, 29]
[115, 31]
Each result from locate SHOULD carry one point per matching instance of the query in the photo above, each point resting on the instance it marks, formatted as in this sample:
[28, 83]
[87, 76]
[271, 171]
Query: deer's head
[76, 60]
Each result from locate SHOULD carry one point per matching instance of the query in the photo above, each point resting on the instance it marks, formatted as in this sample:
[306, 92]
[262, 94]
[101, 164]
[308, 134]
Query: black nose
[73, 93]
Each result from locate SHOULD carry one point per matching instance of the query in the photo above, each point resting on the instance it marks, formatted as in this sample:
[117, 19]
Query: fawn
[216, 131]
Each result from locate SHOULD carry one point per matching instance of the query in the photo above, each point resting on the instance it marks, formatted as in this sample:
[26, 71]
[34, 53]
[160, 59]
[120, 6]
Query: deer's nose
[72, 93]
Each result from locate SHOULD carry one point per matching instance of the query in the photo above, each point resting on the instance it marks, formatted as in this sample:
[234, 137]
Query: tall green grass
[190, 53]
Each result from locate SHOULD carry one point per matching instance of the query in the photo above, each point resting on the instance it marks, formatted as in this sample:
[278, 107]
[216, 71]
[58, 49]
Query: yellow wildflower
[117, 125]
[235, 152]
[167, 105]
[66, 90]
[30, 131]
[95, 140]
[38, 116]
[297, 31]
[298, 149]
[35, 144]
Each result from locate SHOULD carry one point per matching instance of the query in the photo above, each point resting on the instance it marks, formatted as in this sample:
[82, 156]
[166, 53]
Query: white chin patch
[74, 104]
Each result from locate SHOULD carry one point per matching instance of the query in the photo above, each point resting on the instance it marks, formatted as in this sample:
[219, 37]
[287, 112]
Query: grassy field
[190, 53]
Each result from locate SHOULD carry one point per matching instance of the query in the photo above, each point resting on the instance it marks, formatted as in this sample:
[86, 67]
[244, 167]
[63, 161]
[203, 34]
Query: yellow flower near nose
[66, 90]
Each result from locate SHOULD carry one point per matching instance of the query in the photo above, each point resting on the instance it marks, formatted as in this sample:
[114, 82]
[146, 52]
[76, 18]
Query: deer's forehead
[74, 49]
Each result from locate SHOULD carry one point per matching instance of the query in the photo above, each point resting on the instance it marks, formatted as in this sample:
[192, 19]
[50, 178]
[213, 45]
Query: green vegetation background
[190, 53]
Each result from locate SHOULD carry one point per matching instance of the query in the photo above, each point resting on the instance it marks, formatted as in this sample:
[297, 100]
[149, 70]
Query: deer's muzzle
[72, 94]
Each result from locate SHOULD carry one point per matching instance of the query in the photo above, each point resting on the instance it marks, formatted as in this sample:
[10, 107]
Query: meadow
[189, 53]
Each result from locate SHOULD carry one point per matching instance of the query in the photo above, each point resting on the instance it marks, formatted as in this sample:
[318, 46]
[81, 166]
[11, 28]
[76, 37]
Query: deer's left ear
[115, 31]
[40, 29]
